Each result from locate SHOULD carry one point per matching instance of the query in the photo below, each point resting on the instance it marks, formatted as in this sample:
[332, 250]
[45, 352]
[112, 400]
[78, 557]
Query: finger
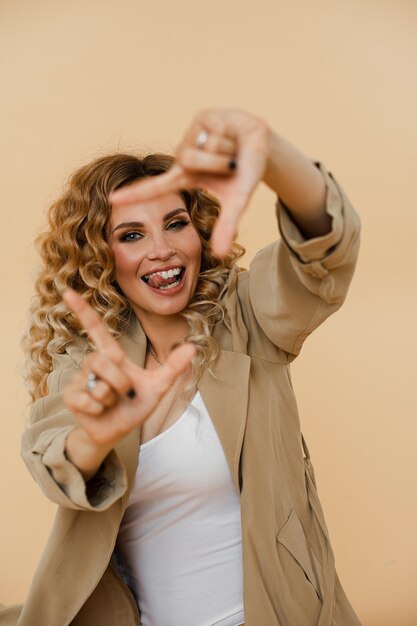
[225, 229]
[92, 323]
[104, 394]
[176, 363]
[107, 371]
[80, 401]
[214, 121]
[150, 187]
[203, 162]
[219, 144]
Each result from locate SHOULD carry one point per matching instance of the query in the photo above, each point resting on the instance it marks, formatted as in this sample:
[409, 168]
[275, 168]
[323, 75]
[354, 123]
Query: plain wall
[338, 79]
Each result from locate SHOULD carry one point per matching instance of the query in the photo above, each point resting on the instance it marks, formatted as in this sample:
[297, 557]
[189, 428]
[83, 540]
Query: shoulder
[247, 334]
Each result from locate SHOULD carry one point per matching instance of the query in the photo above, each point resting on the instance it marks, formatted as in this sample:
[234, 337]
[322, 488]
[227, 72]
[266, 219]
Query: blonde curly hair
[75, 253]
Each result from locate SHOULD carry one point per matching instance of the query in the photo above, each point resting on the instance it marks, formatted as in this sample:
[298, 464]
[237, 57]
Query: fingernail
[131, 394]
[232, 164]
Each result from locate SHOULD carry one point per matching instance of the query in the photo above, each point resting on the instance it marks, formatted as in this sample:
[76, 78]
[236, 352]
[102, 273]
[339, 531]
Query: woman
[164, 422]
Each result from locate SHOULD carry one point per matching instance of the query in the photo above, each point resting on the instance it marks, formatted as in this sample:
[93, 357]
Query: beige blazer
[288, 564]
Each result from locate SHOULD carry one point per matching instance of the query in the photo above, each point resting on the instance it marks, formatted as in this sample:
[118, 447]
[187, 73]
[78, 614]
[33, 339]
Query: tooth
[165, 274]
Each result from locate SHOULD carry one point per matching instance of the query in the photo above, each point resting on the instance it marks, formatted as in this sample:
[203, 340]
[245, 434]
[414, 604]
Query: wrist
[280, 155]
[85, 453]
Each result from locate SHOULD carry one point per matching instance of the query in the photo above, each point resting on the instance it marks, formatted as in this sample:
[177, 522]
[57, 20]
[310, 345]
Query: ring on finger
[92, 381]
[201, 140]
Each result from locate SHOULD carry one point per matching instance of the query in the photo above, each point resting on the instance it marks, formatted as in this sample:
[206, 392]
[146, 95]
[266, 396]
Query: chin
[167, 308]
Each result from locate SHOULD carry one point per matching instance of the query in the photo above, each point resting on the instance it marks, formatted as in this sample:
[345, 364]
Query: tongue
[157, 281]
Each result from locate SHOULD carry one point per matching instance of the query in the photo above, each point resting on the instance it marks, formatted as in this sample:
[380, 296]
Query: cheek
[195, 249]
[125, 261]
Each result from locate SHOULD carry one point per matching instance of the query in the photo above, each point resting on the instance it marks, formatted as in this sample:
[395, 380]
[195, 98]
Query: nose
[160, 248]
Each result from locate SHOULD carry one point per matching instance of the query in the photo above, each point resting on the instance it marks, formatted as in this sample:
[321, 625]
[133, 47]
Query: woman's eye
[178, 224]
[133, 236]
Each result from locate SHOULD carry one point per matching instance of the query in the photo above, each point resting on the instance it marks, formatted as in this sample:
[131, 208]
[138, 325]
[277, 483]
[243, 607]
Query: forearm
[86, 455]
[299, 185]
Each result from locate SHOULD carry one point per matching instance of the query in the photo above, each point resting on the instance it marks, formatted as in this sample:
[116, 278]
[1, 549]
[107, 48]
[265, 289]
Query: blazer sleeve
[43, 450]
[296, 283]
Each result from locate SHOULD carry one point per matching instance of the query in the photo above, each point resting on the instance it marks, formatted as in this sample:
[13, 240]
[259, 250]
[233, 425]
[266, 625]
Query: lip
[168, 292]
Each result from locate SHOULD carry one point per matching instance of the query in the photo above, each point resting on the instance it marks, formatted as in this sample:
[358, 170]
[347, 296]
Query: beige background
[339, 79]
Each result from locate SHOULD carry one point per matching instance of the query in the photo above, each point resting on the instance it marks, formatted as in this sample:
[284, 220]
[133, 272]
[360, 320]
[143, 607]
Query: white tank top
[180, 537]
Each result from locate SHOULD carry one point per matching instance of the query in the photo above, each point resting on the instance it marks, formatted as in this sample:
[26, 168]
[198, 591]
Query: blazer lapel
[134, 345]
[224, 388]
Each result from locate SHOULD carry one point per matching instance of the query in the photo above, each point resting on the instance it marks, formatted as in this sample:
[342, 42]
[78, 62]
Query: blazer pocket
[293, 538]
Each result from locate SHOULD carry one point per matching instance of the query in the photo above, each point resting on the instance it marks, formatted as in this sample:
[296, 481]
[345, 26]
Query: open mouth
[167, 279]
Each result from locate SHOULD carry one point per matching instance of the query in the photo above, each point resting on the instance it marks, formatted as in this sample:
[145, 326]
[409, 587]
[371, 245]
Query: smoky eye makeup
[130, 236]
[178, 224]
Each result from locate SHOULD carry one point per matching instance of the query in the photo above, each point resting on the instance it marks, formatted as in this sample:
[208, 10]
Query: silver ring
[201, 140]
[91, 381]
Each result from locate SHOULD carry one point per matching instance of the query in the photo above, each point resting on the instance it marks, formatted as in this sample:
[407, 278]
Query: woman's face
[157, 253]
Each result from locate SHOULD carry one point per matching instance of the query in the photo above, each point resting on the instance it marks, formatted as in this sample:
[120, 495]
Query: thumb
[177, 362]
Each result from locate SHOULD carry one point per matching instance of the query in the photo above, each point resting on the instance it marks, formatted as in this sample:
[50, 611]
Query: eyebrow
[166, 217]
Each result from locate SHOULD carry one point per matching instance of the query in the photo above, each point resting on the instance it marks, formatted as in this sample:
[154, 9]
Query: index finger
[150, 187]
[93, 324]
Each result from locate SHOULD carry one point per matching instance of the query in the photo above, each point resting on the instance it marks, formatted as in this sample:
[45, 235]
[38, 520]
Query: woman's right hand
[230, 163]
[124, 396]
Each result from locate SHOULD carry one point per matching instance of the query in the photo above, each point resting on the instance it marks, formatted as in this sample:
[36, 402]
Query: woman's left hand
[224, 152]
